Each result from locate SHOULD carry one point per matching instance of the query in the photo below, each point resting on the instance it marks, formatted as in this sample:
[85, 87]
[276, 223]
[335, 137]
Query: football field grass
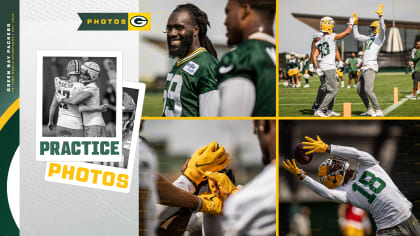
[153, 103]
[297, 102]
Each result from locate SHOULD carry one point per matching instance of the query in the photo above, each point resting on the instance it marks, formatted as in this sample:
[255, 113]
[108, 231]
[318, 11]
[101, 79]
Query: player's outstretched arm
[361, 157]
[356, 34]
[51, 113]
[347, 31]
[321, 190]
[76, 100]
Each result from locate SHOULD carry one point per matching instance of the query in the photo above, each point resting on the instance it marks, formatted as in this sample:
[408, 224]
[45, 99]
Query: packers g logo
[139, 21]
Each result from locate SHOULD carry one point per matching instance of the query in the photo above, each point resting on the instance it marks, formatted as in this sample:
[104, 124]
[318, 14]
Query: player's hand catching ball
[211, 204]
[314, 145]
[293, 169]
[219, 183]
[209, 158]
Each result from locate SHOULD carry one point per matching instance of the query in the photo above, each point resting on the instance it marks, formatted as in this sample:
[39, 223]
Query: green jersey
[353, 62]
[188, 78]
[416, 59]
[255, 60]
[305, 65]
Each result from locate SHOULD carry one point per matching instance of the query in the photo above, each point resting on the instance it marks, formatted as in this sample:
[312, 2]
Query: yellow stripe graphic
[9, 113]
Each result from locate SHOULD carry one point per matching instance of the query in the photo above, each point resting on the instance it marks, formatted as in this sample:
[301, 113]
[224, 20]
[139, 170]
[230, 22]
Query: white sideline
[394, 106]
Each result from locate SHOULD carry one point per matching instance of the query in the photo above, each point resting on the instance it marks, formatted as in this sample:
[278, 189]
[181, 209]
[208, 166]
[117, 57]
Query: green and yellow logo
[115, 21]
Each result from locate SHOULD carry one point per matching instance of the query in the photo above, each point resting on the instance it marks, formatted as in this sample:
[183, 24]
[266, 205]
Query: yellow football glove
[292, 168]
[356, 20]
[315, 146]
[219, 183]
[211, 204]
[380, 10]
[209, 158]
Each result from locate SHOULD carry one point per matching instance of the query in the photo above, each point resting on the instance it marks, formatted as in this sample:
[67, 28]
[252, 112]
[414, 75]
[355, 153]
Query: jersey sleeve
[234, 65]
[359, 36]
[363, 158]
[237, 97]
[380, 38]
[331, 194]
[208, 79]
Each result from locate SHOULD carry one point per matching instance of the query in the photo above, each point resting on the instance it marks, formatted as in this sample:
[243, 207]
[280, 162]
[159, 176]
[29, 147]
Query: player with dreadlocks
[247, 75]
[190, 88]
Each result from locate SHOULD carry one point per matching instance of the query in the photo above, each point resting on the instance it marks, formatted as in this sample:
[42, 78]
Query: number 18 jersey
[326, 46]
[373, 190]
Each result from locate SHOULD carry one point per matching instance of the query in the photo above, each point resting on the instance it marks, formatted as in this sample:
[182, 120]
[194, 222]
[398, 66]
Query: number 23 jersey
[188, 78]
[373, 190]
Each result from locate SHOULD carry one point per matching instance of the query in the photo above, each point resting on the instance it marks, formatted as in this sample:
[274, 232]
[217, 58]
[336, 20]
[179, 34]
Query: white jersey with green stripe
[326, 47]
[371, 189]
[68, 115]
[373, 46]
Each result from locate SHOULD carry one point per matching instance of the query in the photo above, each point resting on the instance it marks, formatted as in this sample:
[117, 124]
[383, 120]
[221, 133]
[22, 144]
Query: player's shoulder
[201, 65]
[59, 81]
[249, 52]
[316, 36]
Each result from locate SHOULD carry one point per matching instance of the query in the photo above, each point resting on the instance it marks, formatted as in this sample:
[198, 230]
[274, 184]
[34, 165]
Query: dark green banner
[103, 21]
[9, 105]
[132, 21]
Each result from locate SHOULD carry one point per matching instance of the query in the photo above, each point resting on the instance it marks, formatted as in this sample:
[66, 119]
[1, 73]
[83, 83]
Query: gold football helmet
[374, 27]
[327, 24]
[332, 172]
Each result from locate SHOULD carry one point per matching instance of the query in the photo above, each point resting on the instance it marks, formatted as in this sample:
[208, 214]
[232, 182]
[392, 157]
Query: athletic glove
[380, 10]
[340, 65]
[356, 20]
[210, 204]
[220, 184]
[319, 72]
[293, 169]
[314, 146]
[209, 158]
[351, 22]
[311, 68]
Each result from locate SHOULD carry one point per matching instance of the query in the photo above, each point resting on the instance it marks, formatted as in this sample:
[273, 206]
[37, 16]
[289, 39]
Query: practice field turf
[297, 102]
[153, 103]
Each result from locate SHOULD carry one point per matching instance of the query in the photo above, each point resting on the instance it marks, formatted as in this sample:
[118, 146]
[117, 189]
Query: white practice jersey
[371, 189]
[373, 46]
[68, 115]
[252, 210]
[93, 118]
[326, 46]
[318, 35]
[147, 181]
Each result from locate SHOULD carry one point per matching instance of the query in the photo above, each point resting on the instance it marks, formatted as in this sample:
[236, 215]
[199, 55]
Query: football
[300, 155]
